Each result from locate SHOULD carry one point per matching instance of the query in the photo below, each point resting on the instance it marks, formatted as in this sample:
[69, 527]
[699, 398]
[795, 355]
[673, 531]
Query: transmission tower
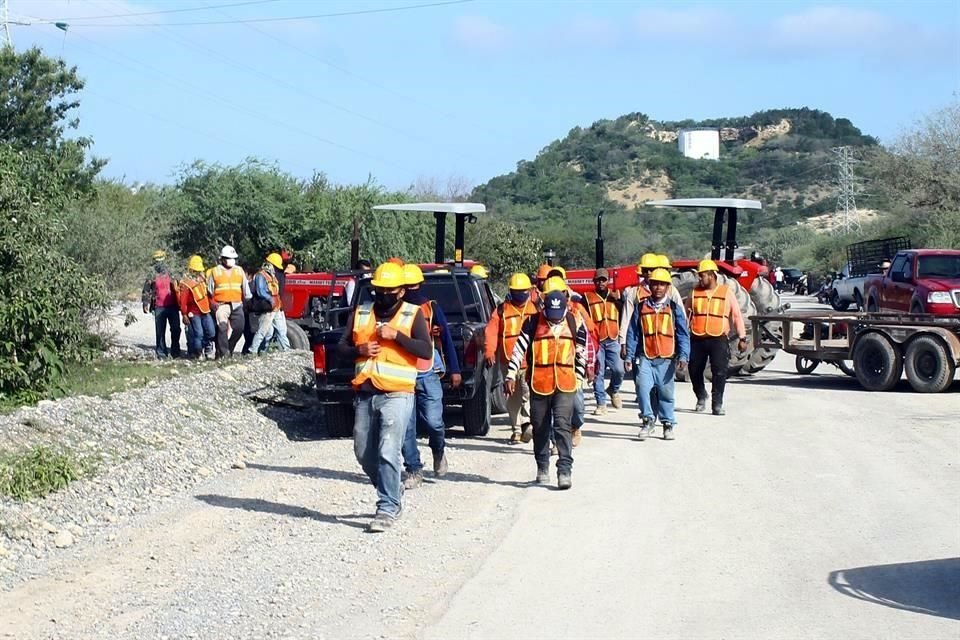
[5, 19]
[848, 189]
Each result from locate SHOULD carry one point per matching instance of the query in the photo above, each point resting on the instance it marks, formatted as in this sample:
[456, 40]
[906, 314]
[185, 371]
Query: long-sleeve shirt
[630, 302]
[491, 333]
[260, 287]
[681, 333]
[419, 343]
[450, 360]
[526, 338]
[735, 317]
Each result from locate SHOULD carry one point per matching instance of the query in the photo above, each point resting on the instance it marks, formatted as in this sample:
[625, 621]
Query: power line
[273, 19]
[184, 10]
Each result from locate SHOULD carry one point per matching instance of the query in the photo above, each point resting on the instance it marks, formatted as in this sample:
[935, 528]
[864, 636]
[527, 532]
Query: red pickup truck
[917, 281]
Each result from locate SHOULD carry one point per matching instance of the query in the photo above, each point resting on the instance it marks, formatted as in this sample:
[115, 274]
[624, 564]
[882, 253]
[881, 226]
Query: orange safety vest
[198, 289]
[605, 315]
[424, 365]
[511, 323]
[658, 332]
[709, 313]
[273, 286]
[227, 284]
[393, 369]
[553, 359]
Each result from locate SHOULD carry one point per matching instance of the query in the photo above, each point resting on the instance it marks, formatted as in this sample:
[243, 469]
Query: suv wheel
[339, 419]
[477, 410]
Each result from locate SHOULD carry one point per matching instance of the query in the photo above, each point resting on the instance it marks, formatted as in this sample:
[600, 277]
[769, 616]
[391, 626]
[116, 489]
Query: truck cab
[918, 281]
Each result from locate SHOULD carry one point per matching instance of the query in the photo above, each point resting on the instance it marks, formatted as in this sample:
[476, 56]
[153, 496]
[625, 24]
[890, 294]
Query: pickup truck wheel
[498, 400]
[929, 366]
[806, 365]
[876, 362]
[858, 298]
[339, 419]
[872, 305]
[916, 308]
[477, 410]
[297, 337]
[837, 304]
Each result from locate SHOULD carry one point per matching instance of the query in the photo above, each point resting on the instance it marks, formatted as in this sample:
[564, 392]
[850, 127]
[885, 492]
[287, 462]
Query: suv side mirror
[897, 276]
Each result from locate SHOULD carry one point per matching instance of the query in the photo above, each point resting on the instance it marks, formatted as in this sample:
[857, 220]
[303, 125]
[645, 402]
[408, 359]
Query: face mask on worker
[229, 263]
[385, 300]
[414, 296]
[519, 297]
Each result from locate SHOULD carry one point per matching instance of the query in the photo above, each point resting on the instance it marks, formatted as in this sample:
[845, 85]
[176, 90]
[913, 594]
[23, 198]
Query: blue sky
[470, 88]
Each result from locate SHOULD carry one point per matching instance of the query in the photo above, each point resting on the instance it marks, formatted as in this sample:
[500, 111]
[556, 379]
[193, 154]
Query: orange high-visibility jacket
[605, 314]
[393, 369]
[227, 284]
[658, 331]
[504, 328]
[273, 286]
[553, 358]
[709, 312]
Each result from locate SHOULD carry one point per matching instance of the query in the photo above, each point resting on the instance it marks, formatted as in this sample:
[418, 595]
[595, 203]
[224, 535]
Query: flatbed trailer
[882, 346]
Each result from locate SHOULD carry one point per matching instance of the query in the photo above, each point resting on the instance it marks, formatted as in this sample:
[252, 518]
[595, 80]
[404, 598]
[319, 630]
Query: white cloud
[682, 23]
[480, 32]
[590, 31]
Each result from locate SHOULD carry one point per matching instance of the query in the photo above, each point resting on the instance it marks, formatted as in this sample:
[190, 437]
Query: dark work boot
[543, 475]
[701, 405]
[646, 428]
[564, 481]
[718, 409]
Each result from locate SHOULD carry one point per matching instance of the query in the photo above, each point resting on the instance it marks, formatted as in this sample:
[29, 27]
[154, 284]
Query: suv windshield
[939, 267]
[443, 289]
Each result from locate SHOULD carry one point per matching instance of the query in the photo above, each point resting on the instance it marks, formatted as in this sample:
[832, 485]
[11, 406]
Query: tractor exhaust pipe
[598, 258]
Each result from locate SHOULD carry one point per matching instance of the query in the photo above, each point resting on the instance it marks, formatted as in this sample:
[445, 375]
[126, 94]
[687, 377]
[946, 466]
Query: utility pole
[5, 19]
[848, 189]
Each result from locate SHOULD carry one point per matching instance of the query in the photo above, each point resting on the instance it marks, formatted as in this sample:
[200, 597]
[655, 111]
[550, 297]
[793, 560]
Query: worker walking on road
[160, 297]
[428, 410]
[387, 338]
[195, 309]
[265, 302]
[500, 337]
[659, 325]
[229, 287]
[712, 309]
[553, 343]
[604, 307]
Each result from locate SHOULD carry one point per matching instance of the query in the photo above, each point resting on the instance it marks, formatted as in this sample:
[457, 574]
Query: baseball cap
[554, 306]
[601, 273]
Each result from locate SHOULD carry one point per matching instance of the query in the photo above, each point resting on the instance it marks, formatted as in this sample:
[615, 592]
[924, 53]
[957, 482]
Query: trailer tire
[806, 365]
[928, 364]
[846, 368]
[339, 419]
[477, 410]
[877, 362]
[297, 336]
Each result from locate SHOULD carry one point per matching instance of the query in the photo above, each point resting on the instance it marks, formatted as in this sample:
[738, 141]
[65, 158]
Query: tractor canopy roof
[435, 207]
[711, 203]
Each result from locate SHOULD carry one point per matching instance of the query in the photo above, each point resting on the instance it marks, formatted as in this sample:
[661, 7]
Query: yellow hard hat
[412, 274]
[660, 275]
[647, 261]
[275, 260]
[707, 265]
[556, 283]
[662, 261]
[159, 254]
[388, 275]
[195, 263]
[479, 271]
[563, 272]
[519, 282]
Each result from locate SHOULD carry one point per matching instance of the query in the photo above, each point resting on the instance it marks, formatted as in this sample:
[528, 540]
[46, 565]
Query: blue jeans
[608, 356]
[657, 374]
[280, 330]
[429, 413]
[378, 430]
[161, 317]
[200, 333]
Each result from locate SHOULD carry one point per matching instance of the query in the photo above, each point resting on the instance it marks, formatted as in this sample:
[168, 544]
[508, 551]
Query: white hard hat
[229, 252]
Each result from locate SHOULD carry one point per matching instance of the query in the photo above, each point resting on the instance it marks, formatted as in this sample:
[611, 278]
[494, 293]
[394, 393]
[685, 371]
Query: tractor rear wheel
[765, 298]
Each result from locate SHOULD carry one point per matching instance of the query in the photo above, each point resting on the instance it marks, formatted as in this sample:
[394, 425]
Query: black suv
[467, 302]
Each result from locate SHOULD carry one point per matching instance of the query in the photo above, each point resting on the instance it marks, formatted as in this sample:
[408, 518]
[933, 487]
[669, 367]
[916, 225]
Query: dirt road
[812, 509]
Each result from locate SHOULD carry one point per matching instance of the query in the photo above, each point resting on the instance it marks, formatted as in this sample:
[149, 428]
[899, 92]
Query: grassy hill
[781, 157]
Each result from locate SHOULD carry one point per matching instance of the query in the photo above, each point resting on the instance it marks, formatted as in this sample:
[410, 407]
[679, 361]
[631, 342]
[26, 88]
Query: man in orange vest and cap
[712, 309]
[386, 338]
[500, 337]
[553, 343]
[658, 338]
[605, 307]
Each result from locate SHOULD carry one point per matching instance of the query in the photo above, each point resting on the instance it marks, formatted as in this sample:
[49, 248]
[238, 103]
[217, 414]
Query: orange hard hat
[543, 271]
[396, 260]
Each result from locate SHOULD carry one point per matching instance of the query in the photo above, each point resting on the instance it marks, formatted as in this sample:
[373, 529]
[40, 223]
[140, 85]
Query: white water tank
[700, 144]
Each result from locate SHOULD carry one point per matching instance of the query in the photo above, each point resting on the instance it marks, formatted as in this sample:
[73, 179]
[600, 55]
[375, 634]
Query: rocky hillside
[780, 157]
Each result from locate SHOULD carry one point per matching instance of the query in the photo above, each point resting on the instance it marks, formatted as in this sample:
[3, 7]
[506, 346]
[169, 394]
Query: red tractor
[754, 292]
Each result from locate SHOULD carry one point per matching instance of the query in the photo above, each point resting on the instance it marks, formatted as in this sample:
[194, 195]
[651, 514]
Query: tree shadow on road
[313, 472]
[280, 509]
[931, 587]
